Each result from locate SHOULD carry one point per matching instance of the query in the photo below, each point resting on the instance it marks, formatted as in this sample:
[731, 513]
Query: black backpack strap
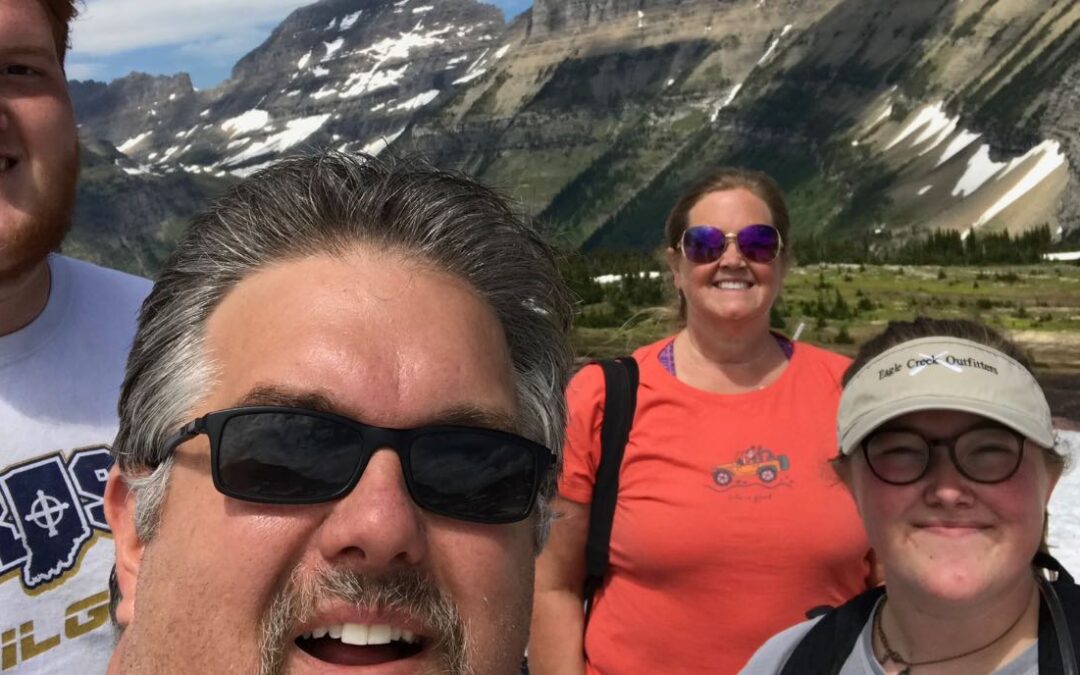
[1059, 620]
[620, 400]
[826, 646]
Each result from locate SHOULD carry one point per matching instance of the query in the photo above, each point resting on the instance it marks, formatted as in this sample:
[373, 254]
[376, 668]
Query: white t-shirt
[60, 379]
[774, 654]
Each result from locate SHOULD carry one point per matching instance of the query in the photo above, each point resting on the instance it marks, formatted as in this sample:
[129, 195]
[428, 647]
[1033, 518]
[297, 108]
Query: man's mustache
[407, 592]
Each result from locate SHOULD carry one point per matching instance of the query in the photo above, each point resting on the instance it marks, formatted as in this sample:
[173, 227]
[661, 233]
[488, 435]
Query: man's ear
[120, 514]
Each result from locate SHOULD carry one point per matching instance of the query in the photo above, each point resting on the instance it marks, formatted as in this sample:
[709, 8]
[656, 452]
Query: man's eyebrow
[471, 416]
[269, 395]
[28, 50]
[461, 415]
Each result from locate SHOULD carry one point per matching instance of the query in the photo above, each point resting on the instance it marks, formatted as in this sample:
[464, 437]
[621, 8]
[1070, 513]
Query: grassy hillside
[840, 306]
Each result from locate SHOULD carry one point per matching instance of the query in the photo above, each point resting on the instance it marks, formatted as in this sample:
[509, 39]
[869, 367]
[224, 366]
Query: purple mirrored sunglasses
[756, 243]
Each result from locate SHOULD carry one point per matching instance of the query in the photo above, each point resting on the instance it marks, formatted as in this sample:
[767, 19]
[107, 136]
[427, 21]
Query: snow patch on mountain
[727, 100]
[246, 122]
[1050, 160]
[296, 131]
[332, 48]
[349, 20]
[130, 143]
[399, 47]
[885, 113]
[381, 143]
[772, 47]
[930, 120]
[957, 145]
[359, 84]
[469, 77]
[418, 101]
[719, 104]
[980, 168]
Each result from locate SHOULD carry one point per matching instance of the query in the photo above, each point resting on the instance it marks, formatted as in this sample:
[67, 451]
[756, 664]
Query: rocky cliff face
[108, 111]
[879, 118]
[553, 17]
[130, 219]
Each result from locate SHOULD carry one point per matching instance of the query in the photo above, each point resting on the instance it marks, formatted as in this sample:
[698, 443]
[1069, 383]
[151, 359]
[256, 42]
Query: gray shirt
[772, 655]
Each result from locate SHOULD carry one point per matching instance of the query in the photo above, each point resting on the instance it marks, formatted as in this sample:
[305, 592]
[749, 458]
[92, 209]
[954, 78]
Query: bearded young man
[339, 430]
[65, 328]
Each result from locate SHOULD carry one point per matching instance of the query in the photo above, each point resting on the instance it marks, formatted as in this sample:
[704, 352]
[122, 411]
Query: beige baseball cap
[943, 373]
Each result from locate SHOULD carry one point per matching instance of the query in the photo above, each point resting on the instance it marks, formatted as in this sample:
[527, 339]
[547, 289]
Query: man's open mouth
[357, 644]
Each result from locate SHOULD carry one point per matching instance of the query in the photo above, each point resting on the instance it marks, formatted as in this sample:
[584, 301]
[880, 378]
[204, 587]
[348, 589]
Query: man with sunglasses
[338, 430]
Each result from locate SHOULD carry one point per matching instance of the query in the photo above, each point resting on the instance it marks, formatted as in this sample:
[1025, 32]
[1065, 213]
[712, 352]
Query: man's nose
[377, 525]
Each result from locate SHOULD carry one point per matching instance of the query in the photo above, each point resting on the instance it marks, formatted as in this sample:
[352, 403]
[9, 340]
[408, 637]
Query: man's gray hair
[329, 204]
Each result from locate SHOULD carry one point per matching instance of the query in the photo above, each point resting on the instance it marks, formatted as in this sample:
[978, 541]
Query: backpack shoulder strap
[620, 399]
[1059, 620]
[826, 646]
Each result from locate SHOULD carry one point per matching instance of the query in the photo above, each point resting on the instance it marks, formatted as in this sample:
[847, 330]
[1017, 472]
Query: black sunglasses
[278, 455]
[984, 454]
[705, 243]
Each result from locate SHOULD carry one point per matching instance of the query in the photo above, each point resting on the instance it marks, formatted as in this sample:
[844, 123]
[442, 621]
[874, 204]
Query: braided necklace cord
[892, 655]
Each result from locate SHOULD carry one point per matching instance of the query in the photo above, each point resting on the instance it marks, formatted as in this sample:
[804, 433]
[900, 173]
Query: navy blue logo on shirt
[49, 510]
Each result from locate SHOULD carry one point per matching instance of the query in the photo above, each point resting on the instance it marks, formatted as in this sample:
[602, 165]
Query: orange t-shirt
[730, 524]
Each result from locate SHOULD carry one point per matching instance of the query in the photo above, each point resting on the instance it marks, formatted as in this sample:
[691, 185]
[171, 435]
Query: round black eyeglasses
[984, 454]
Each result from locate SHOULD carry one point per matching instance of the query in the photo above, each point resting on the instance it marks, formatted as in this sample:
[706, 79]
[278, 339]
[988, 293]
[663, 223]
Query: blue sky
[201, 37]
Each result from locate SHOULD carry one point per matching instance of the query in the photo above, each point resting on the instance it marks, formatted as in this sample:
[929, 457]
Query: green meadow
[838, 306]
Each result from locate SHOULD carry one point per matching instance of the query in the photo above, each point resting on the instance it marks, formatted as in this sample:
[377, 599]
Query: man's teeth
[734, 285]
[361, 634]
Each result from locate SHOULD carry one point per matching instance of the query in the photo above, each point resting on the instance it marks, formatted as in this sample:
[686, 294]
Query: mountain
[344, 73]
[880, 119]
[129, 218]
[877, 117]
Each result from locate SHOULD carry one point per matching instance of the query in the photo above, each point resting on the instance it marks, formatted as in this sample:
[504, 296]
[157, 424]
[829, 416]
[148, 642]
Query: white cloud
[114, 26]
[228, 47]
[83, 70]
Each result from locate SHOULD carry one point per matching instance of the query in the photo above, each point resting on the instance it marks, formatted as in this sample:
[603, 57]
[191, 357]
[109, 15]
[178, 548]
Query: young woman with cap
[947, 446]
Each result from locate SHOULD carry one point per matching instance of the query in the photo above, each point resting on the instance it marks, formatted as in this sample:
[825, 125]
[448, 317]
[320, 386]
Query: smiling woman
[724, 482]
[947, 447]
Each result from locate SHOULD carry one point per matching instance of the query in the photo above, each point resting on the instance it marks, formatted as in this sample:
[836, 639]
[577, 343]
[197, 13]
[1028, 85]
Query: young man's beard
[47, 225]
